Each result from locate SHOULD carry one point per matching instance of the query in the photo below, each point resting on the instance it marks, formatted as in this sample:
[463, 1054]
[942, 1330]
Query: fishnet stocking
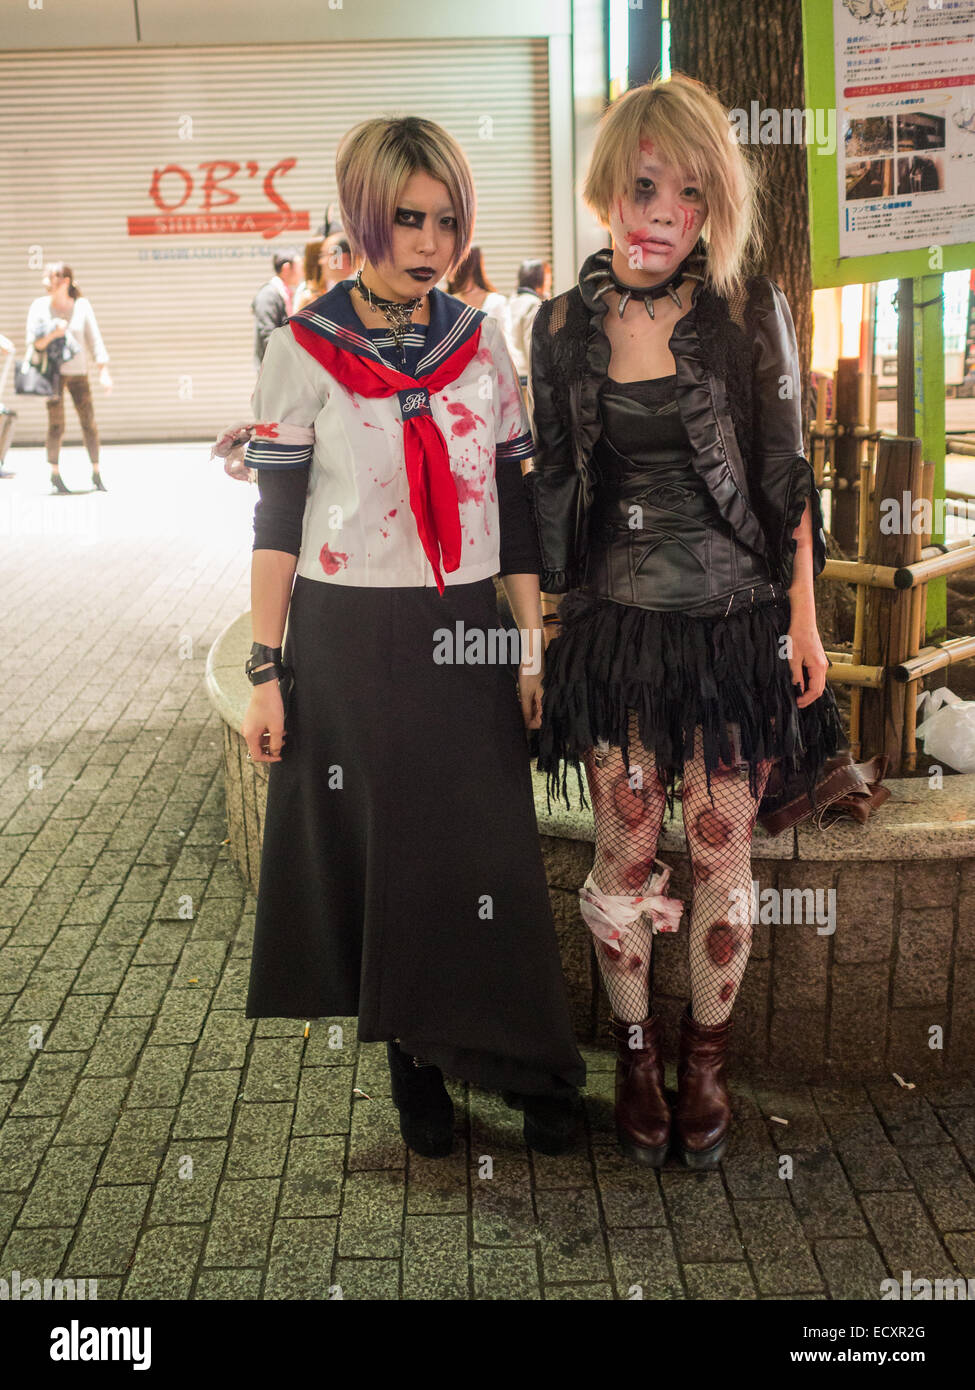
[628, 815]
[719, 840]
[629, 812]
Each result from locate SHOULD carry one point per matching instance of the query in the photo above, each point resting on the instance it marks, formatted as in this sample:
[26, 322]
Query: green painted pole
[929, 419]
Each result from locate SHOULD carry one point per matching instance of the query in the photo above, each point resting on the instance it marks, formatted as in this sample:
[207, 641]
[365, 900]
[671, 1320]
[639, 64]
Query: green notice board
[893, 83]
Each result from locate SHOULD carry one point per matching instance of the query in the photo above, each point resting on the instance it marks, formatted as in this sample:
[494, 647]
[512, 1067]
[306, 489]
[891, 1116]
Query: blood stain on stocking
[637, 874]
[702, 872]
[721, 943]
[609, 950]
[628, 801]
[712, 828]
[726, 991]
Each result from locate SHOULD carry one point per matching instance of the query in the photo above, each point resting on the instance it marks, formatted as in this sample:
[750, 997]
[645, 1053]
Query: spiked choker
[603, 279]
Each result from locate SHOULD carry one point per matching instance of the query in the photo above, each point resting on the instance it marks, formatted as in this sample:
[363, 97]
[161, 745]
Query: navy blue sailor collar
[332, 316]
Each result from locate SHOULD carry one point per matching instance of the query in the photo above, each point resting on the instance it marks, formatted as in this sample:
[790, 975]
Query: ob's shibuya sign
[203, 198]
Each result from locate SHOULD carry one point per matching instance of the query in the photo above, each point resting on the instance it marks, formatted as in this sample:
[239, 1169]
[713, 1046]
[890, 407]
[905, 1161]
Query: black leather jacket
[738, 392]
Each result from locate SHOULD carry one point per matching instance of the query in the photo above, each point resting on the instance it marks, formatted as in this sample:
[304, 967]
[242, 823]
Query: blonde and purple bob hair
[375, 160]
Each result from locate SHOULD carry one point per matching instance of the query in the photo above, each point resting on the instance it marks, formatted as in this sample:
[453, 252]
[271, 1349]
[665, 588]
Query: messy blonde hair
[689, 128]
[375, 160]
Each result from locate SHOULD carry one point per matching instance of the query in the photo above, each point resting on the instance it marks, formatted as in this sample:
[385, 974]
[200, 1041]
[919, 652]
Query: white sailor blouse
[361, 525]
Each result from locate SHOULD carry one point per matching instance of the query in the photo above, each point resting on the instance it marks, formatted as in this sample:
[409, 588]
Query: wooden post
[818, 438]
[887, 636]
[929, 417]
[905, 358]
[864, 524]
[919, 596]
[846, 456]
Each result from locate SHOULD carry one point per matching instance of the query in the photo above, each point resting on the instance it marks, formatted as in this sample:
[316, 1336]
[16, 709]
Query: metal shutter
[84, 130]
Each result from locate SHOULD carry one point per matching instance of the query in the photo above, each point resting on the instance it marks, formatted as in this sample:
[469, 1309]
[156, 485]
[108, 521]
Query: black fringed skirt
[678, 673]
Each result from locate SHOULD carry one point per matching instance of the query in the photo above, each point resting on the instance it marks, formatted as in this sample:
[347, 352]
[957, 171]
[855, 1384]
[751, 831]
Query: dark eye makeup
[412, 217]
[645, 186]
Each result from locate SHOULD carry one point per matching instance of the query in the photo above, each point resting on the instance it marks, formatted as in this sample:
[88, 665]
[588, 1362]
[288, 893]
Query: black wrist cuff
[269, 673]
[260, 656]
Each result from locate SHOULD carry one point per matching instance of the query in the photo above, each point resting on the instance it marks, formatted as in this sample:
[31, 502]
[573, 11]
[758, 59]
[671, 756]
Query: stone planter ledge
[894, 976]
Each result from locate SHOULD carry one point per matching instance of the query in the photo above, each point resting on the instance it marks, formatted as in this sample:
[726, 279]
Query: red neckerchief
[433, 492]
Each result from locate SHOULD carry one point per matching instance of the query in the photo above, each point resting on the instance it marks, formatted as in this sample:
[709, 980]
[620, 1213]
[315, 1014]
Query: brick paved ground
[163, 1144]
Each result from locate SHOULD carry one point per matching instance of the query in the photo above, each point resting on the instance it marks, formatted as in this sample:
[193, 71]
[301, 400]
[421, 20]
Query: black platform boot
[550, 1121]
[426, 1112]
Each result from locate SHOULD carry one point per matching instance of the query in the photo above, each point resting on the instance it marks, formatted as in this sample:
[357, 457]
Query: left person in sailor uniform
[401, 875]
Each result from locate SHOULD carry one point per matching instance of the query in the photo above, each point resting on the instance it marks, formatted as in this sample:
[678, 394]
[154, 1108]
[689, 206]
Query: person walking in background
[63, 312]
[7, 417]
[470, 284]
[336, 260]
[328, 260]
[534, 286]
[313, 284]
[273, 302]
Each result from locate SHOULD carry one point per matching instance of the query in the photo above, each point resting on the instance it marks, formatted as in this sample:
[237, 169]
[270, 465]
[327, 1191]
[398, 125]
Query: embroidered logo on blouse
[414, 402]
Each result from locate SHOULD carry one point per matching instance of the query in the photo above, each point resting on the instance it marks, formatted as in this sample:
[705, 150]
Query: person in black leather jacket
[678, 515]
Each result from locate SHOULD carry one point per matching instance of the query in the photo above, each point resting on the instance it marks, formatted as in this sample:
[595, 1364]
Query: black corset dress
[678, 620]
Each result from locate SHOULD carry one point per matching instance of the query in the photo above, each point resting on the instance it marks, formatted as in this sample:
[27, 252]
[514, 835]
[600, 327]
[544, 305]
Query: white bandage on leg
[665, 913]
[610, 916]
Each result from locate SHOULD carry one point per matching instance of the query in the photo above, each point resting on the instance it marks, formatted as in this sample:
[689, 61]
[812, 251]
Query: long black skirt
[678, 673]
[401, 873]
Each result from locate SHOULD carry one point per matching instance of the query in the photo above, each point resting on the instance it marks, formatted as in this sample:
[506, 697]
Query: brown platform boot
[702, 1115]
[642, 1112]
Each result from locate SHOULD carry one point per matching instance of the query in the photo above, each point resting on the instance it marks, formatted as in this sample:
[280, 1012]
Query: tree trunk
[751, 51]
